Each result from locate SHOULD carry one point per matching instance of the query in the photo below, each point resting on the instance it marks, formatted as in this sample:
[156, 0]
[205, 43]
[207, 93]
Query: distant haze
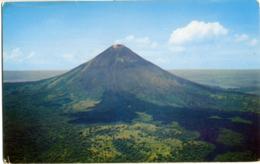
[22, 76]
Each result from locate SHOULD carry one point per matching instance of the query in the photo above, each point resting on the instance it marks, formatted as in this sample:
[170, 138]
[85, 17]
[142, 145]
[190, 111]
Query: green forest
[46, 134]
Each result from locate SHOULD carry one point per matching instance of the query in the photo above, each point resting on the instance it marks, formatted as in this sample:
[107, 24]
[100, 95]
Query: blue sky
[180, 34]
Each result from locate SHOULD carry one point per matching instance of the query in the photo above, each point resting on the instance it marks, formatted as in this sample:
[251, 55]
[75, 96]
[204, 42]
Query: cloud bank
[17, 55]
[244, 38]
[197, 31]
[138, 41]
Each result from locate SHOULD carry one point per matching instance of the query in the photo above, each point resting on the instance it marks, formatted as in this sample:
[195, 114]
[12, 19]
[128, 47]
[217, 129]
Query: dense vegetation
[235, 156]
[229, 137]
[38, 132]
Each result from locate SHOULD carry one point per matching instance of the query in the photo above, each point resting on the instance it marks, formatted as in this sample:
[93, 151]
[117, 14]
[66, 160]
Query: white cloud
[241, 38]
[138, 41]
[258, 1]
[30, 55]
[14, 54]
[197, 31]
[244, 38]
[17, 55]
[253, 42]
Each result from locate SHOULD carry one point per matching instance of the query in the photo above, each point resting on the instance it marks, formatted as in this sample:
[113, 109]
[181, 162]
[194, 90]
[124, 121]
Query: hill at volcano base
[118, 107]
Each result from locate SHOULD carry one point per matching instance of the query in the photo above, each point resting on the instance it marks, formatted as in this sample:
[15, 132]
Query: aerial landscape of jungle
[120, 104]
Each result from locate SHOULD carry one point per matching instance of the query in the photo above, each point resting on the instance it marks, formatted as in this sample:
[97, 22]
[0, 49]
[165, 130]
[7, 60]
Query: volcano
[119, 107]
[120, 70]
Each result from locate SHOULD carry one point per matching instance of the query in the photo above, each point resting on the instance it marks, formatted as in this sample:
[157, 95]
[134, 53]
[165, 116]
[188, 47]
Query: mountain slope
[118, 69]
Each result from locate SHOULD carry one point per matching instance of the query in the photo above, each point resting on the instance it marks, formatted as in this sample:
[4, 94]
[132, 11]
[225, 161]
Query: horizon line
[164, 69]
